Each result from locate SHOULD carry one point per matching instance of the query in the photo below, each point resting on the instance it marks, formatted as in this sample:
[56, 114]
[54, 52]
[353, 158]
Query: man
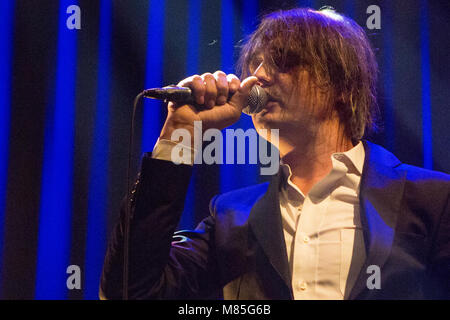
[343, 219]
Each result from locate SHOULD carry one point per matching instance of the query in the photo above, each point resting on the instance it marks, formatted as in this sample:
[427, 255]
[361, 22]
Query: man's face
[293, 104]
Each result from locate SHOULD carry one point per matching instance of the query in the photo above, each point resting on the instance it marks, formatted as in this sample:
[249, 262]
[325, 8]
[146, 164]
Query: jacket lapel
[380, 198]
[265, 222]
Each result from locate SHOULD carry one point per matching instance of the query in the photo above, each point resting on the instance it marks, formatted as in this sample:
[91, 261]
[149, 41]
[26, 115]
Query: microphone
[257, 98]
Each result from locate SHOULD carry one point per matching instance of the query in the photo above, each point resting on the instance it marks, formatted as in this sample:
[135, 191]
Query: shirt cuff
[169, 150]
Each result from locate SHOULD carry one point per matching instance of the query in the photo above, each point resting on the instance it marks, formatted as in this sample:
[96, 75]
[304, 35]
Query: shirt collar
[353, 157]
[348, 162]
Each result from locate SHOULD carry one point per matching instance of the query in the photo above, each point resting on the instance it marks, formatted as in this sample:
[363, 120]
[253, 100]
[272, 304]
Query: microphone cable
[127, 217]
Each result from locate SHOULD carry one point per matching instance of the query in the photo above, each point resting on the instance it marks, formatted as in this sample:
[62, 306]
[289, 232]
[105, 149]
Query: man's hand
[212, 92]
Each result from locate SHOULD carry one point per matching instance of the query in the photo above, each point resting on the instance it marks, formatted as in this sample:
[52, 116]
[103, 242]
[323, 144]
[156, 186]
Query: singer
[342, 219]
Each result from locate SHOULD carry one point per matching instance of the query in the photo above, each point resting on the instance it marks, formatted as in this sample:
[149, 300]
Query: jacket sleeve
[163, 264]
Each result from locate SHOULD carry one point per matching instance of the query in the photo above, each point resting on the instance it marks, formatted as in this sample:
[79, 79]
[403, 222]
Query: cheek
[288, 95]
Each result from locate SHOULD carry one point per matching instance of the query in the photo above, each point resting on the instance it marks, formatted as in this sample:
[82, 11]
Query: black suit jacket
[238, 252]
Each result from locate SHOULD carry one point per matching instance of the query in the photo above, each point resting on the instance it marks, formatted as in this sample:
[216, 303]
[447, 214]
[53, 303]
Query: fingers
[239, 99]
[212, 89]
[233, 83]
[222, 87]
[196, 84]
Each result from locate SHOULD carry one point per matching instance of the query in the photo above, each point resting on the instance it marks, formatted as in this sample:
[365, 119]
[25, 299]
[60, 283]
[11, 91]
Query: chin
[269, 119]
[267, 124]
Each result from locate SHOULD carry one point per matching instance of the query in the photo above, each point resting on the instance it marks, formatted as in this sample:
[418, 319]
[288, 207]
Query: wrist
[175, 131]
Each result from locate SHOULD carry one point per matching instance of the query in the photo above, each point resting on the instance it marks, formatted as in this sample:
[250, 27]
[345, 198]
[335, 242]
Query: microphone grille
[257, 99]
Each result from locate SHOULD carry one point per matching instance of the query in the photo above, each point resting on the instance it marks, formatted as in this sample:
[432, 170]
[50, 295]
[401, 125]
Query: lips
[271, 102]
[271, 97]
[269, 107]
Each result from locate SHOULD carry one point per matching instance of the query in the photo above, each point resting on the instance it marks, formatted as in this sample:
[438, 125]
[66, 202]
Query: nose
[264, 78]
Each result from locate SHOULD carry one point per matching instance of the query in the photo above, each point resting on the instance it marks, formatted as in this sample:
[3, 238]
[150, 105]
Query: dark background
[60, 197]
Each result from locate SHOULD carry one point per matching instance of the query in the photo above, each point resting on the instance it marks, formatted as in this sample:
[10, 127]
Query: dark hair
[333, 49]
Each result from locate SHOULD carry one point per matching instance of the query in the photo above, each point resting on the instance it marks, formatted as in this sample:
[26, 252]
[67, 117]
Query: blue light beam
[98, 180]
[57, 173]
[6, 40]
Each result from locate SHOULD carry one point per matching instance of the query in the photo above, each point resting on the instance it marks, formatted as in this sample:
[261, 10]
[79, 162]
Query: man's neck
[310, 161]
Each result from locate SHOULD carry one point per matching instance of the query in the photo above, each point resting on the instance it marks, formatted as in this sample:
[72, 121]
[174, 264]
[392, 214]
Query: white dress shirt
[322, 230]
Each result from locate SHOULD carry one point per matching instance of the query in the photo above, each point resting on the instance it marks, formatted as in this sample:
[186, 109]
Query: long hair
[335, 52]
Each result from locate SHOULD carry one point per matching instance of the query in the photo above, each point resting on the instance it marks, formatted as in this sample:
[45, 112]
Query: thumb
[240, 98]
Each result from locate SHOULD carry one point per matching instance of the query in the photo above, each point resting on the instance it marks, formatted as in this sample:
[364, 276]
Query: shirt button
[302, 286]
[305, 239]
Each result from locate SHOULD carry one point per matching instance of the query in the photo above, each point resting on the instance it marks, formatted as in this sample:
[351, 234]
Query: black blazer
[238, 252]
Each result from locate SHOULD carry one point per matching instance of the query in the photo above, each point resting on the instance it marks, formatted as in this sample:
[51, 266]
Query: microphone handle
[171, 93]
[179, 95]
[183, 95]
